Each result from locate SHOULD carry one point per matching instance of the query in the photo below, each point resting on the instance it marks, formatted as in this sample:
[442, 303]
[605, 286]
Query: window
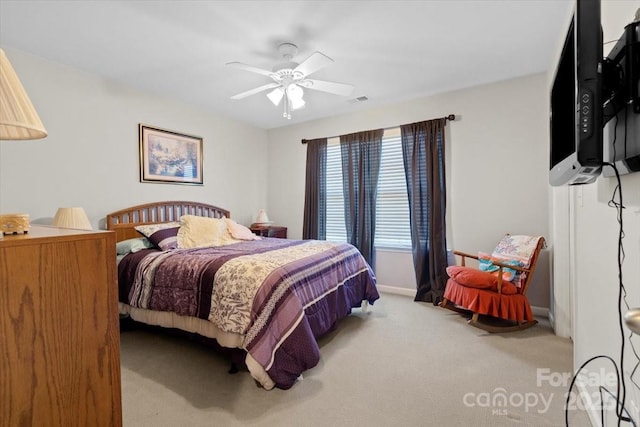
[335, 229]
[392, 205]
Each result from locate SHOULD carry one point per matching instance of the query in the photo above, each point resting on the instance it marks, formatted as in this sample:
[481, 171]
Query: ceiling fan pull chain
[286, 107]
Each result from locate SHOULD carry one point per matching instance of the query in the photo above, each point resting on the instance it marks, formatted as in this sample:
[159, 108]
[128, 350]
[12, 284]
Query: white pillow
[133, 245]
[199, 231]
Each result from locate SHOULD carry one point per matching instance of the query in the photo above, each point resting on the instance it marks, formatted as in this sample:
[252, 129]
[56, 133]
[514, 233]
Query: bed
[271, 297]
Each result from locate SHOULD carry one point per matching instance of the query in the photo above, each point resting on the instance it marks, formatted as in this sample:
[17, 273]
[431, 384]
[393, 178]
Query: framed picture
[167, 156]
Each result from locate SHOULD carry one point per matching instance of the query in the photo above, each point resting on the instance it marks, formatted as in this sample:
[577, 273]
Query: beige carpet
[401, 363]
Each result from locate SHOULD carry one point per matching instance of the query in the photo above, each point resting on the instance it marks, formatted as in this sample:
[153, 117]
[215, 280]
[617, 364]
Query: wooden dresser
[59, 333]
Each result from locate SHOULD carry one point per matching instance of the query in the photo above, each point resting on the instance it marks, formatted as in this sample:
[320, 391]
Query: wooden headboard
[124, 221]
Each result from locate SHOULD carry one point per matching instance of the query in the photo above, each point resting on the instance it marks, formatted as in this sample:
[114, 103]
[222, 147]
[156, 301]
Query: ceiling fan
[289, 79]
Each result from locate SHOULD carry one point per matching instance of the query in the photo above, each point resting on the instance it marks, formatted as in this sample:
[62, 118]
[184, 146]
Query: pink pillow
[240, 232]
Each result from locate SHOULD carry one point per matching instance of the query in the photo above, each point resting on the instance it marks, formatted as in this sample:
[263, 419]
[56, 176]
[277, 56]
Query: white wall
[496, 158]
[496, 166]
[91, 156]
[593, 251]
[560, 311]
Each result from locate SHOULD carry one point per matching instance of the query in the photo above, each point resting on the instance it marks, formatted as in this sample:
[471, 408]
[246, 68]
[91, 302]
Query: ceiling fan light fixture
[295, 92]
[275, 96]
[296, 104]
[290, 78]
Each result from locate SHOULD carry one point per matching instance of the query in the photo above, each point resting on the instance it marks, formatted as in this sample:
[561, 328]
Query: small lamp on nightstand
[262, 218]
[72, 218]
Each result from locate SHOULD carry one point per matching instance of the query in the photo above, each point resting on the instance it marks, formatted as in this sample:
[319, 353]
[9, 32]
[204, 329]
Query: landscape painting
[168, 156]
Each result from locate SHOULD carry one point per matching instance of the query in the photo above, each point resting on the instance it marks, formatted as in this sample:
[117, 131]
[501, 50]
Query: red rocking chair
[496, 289]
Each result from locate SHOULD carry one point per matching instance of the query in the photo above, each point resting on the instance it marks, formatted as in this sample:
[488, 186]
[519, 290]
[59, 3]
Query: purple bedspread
[298, 291]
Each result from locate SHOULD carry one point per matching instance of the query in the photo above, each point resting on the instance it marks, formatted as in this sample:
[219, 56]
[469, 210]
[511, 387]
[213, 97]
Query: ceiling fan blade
[313, 63]
[325, 86]
[246, 67]
[254, 91]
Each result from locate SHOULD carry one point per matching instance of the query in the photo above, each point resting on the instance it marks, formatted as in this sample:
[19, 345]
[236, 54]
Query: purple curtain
[360, 170]
[423, 153]
[315, 195]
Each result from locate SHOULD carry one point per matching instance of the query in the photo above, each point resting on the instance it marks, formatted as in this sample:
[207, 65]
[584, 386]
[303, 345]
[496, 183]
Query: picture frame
[169, 157]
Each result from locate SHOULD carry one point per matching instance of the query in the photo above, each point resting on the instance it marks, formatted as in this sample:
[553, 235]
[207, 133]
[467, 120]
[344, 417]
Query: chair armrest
[513, 267]
[464, 255]
[493, 261]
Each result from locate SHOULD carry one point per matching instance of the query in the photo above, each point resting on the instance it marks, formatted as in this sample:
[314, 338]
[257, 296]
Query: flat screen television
[576, 153]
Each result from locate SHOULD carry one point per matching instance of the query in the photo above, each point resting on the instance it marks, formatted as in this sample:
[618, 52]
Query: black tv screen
[576, 101]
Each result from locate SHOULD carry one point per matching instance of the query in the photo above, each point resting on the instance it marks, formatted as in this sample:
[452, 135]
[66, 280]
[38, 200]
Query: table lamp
[262, 217]
[18, 121]
[72, 218]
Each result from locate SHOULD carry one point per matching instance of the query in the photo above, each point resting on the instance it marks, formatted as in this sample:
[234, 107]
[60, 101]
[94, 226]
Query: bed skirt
[513, 307]
[201, 327]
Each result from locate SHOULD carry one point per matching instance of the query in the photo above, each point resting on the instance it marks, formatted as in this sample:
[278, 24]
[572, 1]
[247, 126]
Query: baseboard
[552, 320]
[537, 311]
[396, 290]
[540, 311]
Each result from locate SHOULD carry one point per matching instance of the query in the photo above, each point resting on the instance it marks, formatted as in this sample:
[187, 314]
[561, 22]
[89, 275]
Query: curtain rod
[450, 117]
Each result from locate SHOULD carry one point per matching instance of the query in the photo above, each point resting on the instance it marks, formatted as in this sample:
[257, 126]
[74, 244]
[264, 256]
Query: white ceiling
[389, 50]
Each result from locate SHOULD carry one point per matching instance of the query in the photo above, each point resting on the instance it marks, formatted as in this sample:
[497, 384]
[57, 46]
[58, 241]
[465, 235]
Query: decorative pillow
[240, 232]
[515, 274]
[473, 278]
[133, 245]
[199, 231]
[163, 235]
[486, 263]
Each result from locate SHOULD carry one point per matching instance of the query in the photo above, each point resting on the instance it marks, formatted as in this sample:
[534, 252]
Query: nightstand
[269, 230]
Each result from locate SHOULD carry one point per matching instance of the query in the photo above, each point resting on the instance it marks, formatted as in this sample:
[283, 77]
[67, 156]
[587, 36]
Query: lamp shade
[72, 218]
[262, 217]
[18, 119]
[295, 94]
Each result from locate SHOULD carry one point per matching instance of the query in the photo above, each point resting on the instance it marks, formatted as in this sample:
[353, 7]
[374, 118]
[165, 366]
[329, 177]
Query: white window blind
[392, 206]
[335, 230]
